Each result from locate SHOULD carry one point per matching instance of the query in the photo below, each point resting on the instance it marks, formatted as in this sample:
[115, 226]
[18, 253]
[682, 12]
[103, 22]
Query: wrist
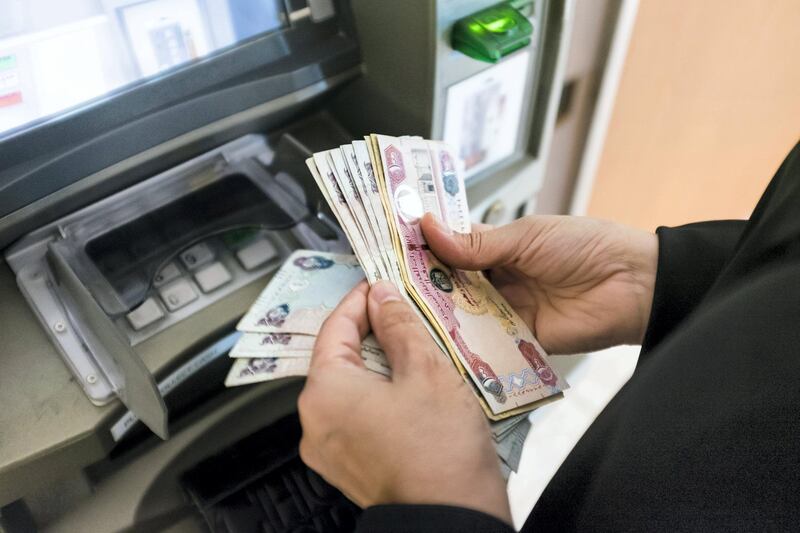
[644, 270]
[480, 491]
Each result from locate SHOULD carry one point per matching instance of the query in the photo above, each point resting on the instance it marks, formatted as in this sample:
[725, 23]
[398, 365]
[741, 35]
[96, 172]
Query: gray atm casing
[302, 81]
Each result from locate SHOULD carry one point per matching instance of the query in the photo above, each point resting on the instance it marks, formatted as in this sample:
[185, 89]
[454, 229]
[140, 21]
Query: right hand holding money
[417, 438]
[580, 284]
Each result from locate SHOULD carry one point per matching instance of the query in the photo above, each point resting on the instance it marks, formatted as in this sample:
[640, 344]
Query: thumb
[479, 250]
[400, 332]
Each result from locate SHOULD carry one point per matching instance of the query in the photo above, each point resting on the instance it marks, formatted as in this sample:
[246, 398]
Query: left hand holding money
[418, 437]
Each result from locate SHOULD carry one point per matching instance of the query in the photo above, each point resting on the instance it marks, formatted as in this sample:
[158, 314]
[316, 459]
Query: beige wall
[707, 108]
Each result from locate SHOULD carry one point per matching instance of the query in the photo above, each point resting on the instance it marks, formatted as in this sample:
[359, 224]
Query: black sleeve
[434, 518]
[690, 258]
[694, 257]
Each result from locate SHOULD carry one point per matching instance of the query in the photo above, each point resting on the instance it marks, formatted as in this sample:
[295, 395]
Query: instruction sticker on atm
[10, 93]
[483, 113]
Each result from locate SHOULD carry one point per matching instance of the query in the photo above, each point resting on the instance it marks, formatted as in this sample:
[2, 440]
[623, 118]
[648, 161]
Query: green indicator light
[238, 236]
[501, 25]
[492, 33]
[475, 27]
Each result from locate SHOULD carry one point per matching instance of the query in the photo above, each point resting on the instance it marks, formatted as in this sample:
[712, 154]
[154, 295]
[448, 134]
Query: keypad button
[256, 254]
[212, 276]
[178, 294]
[197, 255]
[145, 314]
[167, 274]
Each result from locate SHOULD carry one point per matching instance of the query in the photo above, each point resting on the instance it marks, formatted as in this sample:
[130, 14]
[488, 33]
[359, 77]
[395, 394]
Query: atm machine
[138, 226]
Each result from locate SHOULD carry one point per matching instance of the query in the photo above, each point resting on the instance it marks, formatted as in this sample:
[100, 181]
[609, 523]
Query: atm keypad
[178, 294]
[212, 277]
[145, 314]
[256, 254]
[197, 255]
[167, 274]
[197, 276]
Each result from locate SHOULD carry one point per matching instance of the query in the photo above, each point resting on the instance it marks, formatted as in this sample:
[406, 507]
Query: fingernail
[444, 228]
[383, 292]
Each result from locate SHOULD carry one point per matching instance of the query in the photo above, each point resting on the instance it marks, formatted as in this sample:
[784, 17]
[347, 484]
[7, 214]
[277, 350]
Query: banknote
[450, 189]
[509, 448]
[377, 367]
[348, 186]
[373, 196]
[246, 371]
[364, 180]
[501, 428]
[271, 344]
[370, 351]
[302, 294]
[415, 151]
[329, 186]
[481, 331]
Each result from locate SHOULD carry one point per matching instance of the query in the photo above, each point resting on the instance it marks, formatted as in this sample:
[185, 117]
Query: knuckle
[305, 404]
[323, 328]
[474, 242]
[305, 449]
[302, 400]
[398, 317]
[335, 444]
[430, 364]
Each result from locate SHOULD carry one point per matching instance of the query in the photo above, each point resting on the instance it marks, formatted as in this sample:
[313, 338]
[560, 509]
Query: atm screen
[120, 43]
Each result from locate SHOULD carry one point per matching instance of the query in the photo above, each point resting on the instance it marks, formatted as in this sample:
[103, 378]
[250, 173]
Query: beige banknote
[450, 188]
[255, 370]
[352, 195]
[252, 347]
[364, 180]
[326, 181]
[302, 294]
[373, 197]
[501, 428]
[271, 344]
[247, 371]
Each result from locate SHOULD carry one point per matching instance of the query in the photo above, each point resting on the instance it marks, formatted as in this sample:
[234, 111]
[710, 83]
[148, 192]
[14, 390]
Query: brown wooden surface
[707, 108]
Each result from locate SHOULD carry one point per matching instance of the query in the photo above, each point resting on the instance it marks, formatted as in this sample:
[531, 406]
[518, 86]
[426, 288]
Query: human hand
[417, 438]
[580, 284]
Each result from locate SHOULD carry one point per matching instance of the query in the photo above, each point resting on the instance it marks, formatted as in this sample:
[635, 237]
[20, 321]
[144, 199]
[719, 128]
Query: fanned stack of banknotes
[379, 189]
